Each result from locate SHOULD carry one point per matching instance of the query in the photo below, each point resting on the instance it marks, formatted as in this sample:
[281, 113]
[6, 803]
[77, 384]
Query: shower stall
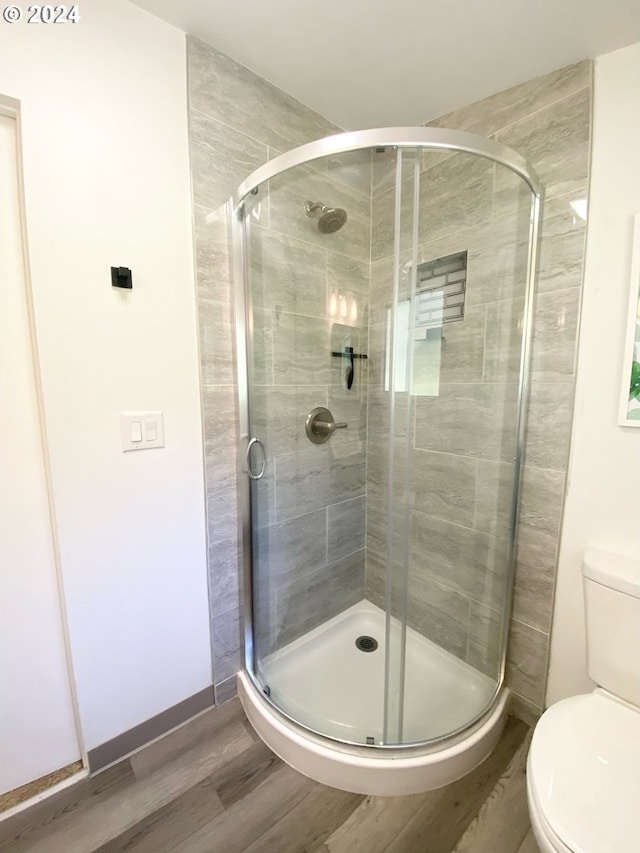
[384, 284]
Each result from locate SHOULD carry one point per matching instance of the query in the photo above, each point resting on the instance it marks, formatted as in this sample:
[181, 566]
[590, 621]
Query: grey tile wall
[310, 504]
[462, 439]
[548, 121]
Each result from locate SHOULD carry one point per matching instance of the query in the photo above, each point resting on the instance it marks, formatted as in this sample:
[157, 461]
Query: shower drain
[366, 644]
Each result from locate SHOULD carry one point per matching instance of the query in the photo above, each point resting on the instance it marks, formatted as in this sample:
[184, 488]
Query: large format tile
[348, 276]
[494, 497]
[352, 168]
[345, 528]
[224, 566]
[220, 441]
[549, 420]
[524, 710]
[497, 257]
[537, 546]
[313, 597]
[286, 274]
[350, 406]
[438, 613]
[221, 87]
[221, 500]
[384, 219]
[469, 420]
[260, 347]
[555, 142]
[378, 530]
[462, 348]
[454, 195]
[503, 340]
[491, 114]
[215, 326]
[289, 547]
[213, 254]
[562, 242]
[219, 417]
[377, 361]
[555, 334]
[498, 260]
[443, 485]
[279, 413]
[381, 464]
[288, 194]
[226, 644]
[225, 690]
[263, 495]
[221, 158]
[383, 169]
[381, 293]
[527, 654]
[301, 350]
[316, 477]
[484, 639]
[456, 556]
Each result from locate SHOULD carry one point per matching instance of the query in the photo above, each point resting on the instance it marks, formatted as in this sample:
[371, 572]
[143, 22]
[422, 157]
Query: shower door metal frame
[398, 138]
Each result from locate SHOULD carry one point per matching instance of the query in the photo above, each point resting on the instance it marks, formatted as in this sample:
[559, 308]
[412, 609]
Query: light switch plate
[141, 430]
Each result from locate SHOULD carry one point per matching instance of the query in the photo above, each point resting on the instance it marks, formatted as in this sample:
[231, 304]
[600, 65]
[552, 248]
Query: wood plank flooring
[213, 787]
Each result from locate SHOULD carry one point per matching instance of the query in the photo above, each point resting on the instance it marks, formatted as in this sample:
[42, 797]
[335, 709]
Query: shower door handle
[260, 474]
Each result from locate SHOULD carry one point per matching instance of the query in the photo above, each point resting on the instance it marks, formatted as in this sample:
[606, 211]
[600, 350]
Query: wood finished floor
[213, 787]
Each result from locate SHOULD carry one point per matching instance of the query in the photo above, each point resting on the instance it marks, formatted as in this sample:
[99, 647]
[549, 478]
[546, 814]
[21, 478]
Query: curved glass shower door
[386, 309]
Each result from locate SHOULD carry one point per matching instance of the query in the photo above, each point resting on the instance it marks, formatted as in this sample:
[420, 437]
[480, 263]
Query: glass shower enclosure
[383, 316]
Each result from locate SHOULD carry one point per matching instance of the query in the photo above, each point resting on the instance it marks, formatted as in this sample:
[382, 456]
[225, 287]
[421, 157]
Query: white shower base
[325, 683]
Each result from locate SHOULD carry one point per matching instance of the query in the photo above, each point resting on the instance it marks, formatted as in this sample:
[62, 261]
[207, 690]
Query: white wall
[107, 183]
[603, 503]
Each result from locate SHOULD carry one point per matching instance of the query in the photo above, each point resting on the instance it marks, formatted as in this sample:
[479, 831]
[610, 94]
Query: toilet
[583, 768]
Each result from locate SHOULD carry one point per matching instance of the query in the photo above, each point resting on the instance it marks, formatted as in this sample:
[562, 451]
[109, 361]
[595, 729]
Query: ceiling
[369, 63]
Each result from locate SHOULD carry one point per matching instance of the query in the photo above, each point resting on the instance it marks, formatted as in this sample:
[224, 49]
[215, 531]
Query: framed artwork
[630, 397]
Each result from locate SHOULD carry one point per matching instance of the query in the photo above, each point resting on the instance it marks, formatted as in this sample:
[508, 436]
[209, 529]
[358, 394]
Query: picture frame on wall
[630, 396]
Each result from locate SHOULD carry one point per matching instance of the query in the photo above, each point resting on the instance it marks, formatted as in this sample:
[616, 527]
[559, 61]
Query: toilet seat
[546, 839]
[584, 775]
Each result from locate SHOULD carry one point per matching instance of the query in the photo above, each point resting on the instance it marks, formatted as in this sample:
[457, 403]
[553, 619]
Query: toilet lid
[584, 769]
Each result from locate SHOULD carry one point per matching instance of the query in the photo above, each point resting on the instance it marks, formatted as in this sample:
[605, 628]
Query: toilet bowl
[583, 776]
[583, 768]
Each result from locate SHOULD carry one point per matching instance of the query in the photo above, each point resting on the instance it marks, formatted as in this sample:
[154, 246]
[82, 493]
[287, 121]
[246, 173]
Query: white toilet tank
[612, 598]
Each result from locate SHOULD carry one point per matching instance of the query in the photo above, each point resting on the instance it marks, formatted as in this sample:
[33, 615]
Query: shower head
[330, 219]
